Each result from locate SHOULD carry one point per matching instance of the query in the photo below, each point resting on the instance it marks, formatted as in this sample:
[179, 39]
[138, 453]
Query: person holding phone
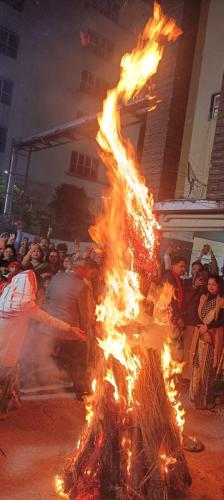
[213, 265]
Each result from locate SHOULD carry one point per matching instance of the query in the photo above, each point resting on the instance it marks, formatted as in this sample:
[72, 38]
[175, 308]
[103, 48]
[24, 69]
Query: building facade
[215, 189]
[57, 60]
[180, 133]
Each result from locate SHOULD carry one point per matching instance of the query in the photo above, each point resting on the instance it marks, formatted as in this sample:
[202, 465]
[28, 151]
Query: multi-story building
[57, 59]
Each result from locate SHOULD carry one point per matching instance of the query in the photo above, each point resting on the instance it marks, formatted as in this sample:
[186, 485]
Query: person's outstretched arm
[69, 332]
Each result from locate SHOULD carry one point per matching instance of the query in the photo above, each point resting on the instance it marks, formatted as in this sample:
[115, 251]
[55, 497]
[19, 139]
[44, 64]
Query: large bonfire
[131, 445]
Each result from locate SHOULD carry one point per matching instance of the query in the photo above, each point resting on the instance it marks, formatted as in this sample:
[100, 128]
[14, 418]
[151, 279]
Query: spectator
[16, 238]
[178, 269]
[2, 248]
[193, 289]
[76, 257]
[13, 269]
[87, 252]
[207, 345]
[4, 237]
[53, 261]
[67, 263]
[4, 267]
[212, 266]
[45, 246]
[52, 246]
[196, 267]
[23, 249]
[33, 260]
[9, 253]
[62, 252]
[77, 253]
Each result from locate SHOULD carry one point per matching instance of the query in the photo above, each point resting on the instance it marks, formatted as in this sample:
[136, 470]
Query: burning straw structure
[131, 446]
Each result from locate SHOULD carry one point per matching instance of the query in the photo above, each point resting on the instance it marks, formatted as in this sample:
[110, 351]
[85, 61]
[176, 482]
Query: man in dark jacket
[173, 276]
[178, 269]
[67, 298]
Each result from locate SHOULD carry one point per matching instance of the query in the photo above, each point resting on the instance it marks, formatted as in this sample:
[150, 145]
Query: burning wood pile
[131, 446]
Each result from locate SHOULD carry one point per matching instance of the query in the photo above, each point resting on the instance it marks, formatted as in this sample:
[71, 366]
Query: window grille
[9, 42]
[6, 89]
[82, 165]
[214, 106]
[3, 138]
[93, 85]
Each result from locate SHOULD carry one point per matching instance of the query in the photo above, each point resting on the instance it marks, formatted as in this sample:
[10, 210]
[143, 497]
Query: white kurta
[17, 307]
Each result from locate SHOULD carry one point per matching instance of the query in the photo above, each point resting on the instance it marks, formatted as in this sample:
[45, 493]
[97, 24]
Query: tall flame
[128, 228]
[129, 232]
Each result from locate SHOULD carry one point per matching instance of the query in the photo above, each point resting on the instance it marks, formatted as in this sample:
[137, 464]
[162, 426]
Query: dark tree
[70, 211]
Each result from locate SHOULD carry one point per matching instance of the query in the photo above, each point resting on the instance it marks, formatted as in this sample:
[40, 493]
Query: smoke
[39, 360]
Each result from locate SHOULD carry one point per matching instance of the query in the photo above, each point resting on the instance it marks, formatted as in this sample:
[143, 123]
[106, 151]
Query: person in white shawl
[17, 307]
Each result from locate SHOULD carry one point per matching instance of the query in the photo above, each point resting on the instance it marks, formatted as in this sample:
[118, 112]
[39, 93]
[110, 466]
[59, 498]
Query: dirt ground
[35, 439]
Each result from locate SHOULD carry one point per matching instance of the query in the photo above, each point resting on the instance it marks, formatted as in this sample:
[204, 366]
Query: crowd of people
[196, 322]
[47, 305]
[47, 314]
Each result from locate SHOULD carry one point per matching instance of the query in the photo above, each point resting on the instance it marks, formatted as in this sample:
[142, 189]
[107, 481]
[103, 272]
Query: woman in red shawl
[17, 307]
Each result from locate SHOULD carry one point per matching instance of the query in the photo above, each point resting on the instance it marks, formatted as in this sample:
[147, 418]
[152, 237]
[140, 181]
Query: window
[3, 138]
[214, 106]
[93, 85]
[100, 45]
[16, 4]
[82, 165]
[6, 88]
[9, 42]
[109, 8]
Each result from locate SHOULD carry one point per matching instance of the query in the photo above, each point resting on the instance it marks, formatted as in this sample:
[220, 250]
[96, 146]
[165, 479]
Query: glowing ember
[129, 408]
[59, 483]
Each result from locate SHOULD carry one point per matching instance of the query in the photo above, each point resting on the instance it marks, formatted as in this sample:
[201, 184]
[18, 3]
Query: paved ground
[35, 439]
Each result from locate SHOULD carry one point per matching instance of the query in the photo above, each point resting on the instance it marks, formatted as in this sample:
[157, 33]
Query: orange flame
[129, 208]
[110, 378]
[170, 368]
[129, 203]
[127, 229]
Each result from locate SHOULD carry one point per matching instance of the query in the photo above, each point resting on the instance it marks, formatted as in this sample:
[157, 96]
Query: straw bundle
[157, 470]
